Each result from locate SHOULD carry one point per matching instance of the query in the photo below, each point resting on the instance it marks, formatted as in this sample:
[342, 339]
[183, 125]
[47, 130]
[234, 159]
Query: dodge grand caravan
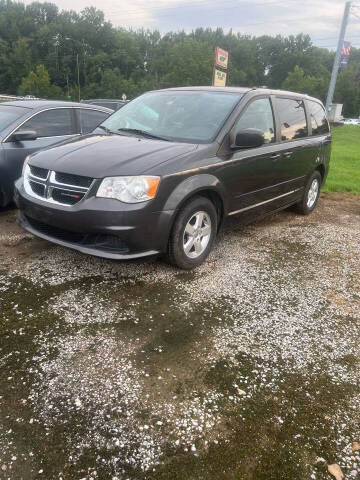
[160, 175]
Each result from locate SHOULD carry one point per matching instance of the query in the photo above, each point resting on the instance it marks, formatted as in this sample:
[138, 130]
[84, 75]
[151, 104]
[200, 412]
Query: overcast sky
[321, 19]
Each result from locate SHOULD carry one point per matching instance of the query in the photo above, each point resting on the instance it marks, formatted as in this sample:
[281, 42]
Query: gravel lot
[247, 368]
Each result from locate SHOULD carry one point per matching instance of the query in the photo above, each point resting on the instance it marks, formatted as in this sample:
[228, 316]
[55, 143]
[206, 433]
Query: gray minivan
[160, 174]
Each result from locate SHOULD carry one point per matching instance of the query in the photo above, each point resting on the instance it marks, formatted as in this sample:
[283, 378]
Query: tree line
[50, 53]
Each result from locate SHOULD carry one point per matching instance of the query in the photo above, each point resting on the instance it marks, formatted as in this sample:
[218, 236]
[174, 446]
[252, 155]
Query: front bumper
[102, 227]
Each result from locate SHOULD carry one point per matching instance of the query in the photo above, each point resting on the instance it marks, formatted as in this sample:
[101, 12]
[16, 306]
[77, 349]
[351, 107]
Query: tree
[113, 61]
[298, 81]
[348, 90]
[38, 84]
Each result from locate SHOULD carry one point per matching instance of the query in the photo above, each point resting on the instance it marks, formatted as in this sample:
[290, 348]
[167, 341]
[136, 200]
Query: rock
[335, 471]
[355, 446]
[241, 392]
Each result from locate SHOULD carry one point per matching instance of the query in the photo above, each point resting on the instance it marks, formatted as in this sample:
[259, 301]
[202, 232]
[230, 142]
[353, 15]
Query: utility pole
[336, 65]
[78, 73]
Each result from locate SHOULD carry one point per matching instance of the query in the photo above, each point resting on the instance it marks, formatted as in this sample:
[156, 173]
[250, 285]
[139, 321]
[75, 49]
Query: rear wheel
[311, 195]
[193, 233]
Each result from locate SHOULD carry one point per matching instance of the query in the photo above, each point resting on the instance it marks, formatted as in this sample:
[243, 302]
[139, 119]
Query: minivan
[160, 174]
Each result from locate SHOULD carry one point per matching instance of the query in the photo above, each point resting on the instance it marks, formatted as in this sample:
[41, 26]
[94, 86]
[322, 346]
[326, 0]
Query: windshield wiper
[107, 130]
[143, 133]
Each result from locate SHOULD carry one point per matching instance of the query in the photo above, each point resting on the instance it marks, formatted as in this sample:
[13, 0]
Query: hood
[99, 156]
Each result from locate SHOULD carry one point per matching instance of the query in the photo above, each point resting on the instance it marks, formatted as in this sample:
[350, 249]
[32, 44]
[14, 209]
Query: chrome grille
[39, 172]
[37, 188]
[56, 187]
[69, 179]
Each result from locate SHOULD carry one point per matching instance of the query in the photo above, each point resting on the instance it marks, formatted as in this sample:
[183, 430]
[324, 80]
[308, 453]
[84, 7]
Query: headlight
[24, 166]
[129, 189]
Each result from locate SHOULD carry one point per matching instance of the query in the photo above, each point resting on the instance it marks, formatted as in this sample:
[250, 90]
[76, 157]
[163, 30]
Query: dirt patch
[247, 367]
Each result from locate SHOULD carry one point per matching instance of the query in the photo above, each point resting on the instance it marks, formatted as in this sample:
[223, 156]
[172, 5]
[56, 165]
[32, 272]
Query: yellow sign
[221, 57]
[219, 78]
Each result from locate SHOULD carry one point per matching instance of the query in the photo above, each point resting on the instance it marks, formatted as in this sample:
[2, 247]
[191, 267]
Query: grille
[46, 185]
[38, 188]
[70, 179]
[67, 197]
[98, 241]
[39, 172]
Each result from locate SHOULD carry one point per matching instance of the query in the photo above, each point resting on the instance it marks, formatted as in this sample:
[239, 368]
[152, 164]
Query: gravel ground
[247, 368]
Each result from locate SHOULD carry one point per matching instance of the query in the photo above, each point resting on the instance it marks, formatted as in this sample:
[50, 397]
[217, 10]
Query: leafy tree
[111, 61]
[348, 90]
[298, 81]
[38, 84]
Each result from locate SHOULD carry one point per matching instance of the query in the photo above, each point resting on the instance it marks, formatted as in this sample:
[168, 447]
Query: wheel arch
[204, 185]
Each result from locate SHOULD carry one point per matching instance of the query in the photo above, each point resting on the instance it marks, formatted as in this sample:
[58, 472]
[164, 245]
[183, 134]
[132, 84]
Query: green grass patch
[344, 174]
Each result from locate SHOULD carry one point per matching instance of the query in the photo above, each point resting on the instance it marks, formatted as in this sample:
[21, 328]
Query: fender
[192, 185]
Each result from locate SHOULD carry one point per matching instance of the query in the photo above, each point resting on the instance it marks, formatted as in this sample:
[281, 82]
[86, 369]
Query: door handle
[275, 157]
[287, 154]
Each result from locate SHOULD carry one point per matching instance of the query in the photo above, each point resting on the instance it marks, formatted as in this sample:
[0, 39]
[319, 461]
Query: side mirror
[23, 135]
[249, 138]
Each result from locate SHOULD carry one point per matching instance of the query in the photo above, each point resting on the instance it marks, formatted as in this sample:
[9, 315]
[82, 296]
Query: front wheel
[311, 195]
[193, 234]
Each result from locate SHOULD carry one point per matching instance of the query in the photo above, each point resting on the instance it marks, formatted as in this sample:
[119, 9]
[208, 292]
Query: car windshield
[9, 114]
[192, 116]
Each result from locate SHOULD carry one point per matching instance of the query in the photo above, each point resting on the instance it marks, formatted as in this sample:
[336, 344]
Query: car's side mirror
[249, 138]
[23, 135]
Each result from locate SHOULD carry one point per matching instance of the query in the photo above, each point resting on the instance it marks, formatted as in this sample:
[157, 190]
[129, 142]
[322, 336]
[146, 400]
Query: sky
[320, 19]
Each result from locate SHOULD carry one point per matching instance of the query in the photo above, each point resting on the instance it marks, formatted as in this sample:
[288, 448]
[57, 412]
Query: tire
[193, 234]
[311, 195]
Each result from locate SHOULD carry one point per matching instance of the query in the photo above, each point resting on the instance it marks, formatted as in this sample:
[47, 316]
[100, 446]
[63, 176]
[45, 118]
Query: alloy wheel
[197, 234]
[313, 193]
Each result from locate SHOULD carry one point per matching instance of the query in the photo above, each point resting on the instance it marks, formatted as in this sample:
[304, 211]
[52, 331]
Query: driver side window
[258, 115]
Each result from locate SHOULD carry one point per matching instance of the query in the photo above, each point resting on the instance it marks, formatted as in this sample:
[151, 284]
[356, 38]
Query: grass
[344, 174]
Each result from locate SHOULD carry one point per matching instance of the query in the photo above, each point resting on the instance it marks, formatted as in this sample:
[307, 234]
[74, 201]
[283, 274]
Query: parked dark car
[112, 103]
[159, 175]
[30, 125]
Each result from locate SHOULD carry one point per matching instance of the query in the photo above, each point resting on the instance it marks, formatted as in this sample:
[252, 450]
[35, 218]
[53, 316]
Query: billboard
[221, 58]
[219, 78]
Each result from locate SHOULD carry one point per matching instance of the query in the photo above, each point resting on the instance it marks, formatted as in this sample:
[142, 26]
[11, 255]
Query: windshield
[9, 114]
[193, 116]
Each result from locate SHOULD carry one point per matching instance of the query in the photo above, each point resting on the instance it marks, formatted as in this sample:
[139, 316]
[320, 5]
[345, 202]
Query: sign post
[221, 62]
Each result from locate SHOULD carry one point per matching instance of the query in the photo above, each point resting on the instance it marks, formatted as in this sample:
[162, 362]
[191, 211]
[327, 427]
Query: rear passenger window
[292, 118]
[90, 119]
[258, 115]
[319, 123]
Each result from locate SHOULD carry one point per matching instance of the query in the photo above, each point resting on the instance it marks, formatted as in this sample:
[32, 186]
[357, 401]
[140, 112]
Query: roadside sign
[221, 58]
[220, 71]
[219, 78]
